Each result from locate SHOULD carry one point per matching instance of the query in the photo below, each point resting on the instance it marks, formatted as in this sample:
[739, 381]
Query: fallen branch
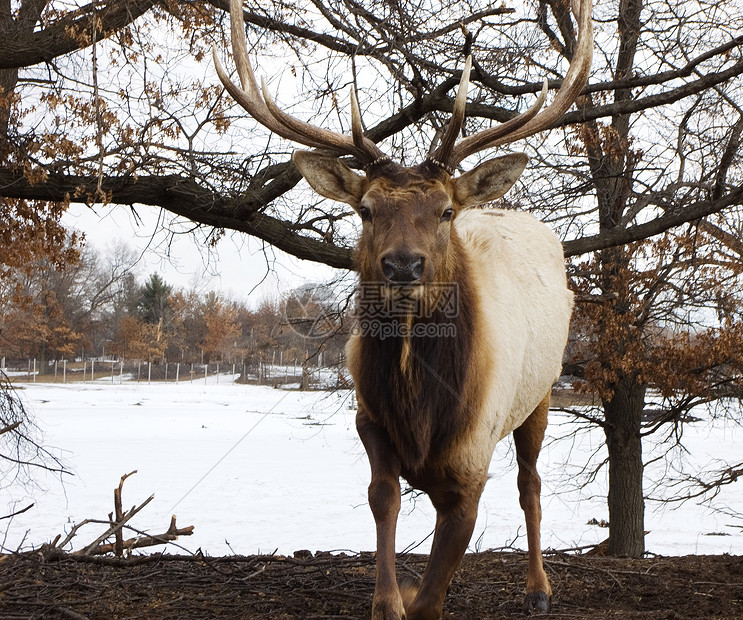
[68, 613]
[117, 520]
[118, 545]
[114, 528]
[138, 542]
[70, 536]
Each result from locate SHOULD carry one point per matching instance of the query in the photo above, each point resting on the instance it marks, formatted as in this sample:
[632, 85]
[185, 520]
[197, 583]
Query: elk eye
[365, 214]
[447, 215]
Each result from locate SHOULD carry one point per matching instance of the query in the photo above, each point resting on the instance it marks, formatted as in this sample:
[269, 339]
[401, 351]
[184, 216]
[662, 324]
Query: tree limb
[17, 512]
[652, 101]
[615, 237]
[10, 427]
[70, 33]
[183, 196]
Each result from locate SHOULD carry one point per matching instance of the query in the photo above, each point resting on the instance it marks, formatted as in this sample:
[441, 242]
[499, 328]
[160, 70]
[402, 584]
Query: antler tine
[255, 107]
[259, 104]
[439, 156]
[484, 139]
[357, 128]
[532, 121]
[240, 50]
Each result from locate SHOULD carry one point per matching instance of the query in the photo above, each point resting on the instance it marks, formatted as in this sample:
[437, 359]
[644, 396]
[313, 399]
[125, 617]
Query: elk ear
[490, 180]
[330, 177]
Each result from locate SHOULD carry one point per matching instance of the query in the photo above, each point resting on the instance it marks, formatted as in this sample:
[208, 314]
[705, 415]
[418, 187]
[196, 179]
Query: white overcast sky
[237, 267]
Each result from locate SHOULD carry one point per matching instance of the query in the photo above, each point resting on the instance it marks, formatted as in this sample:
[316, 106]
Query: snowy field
[256, 469]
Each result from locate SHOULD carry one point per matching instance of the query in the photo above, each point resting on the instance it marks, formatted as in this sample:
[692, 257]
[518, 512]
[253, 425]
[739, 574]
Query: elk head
[408, 213]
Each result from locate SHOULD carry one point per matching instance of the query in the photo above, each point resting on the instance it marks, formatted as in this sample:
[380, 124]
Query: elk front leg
[456, 513]
[384, 501]
[528, 441]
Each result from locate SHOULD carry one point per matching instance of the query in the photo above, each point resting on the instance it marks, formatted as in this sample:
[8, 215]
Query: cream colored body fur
[519, 273]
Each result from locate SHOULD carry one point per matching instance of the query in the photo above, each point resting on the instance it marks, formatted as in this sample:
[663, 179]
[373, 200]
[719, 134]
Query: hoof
[385, 612]
[388, 608]
[536, 603]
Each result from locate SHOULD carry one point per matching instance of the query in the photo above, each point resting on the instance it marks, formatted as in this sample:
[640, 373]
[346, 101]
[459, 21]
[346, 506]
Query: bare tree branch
[71, 32]
[185, 197]
[661, 224]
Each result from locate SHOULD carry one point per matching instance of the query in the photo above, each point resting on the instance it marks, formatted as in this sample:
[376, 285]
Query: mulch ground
[487, 586]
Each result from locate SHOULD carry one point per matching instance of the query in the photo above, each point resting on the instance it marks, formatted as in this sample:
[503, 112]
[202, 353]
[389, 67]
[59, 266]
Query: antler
[448, 154]
[259, 104]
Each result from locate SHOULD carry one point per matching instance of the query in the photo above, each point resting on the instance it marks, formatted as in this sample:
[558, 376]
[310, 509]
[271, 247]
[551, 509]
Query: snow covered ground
[257, 469]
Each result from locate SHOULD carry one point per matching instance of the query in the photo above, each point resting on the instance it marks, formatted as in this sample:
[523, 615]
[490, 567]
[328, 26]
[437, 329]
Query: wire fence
[114, 371]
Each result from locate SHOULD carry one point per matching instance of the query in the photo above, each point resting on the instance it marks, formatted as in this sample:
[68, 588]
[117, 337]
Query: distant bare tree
[59, 311]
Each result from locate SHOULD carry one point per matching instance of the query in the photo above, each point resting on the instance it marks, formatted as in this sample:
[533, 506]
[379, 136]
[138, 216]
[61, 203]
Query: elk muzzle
[402, 267]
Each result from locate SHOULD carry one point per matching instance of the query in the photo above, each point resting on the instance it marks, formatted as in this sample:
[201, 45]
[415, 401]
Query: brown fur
[419, 389]
[404, 203]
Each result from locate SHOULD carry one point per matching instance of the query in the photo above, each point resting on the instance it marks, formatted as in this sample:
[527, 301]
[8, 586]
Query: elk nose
[402, 267]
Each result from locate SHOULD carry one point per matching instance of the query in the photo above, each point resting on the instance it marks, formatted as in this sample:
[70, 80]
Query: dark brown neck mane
[419, 396]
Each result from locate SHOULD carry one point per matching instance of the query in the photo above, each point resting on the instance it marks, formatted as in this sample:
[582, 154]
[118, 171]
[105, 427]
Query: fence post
[64, 371]
[177, 371]
[206, 370]
[149, 372]
[92, 370]
[34, 370]
[113, 363]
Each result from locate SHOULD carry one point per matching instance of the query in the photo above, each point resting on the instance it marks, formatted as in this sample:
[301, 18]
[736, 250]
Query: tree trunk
[43, 360]
[626, 504]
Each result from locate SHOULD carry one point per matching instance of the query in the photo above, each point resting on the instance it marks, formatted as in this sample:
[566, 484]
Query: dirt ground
[487, 586]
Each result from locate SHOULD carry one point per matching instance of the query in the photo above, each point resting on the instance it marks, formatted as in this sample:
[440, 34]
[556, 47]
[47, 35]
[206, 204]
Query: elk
[432, 404]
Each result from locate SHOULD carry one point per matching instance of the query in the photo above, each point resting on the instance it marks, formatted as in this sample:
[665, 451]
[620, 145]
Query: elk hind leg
[528, 441]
